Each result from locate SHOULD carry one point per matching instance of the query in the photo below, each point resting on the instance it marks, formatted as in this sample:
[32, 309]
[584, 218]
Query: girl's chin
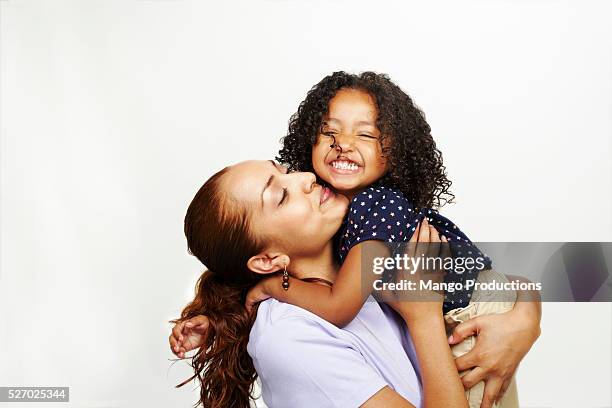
[344, 188]
[343, 184]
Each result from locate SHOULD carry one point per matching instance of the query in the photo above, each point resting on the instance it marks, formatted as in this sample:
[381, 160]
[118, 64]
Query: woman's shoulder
[302, 360]
[294, 329]
[279, 322]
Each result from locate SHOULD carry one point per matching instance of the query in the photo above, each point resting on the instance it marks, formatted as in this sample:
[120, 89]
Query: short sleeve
[378, 213]
[302, 364]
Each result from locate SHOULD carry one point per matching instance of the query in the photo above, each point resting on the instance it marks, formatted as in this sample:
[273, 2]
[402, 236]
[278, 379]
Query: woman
[236, 227]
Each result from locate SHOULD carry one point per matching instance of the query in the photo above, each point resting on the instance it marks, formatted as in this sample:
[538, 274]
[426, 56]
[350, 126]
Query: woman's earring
[285, 279]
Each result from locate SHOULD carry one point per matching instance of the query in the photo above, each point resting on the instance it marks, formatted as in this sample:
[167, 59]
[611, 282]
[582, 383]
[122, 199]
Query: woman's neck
[322, 265]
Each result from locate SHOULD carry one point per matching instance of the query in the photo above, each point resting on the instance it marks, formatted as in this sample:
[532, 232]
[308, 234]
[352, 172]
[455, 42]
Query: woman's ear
[265, 263]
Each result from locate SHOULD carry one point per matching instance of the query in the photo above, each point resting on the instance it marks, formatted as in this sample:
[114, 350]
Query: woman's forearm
[441, 384]
[528, 305]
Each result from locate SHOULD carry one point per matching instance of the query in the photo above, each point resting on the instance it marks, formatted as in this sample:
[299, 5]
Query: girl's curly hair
[414, 163]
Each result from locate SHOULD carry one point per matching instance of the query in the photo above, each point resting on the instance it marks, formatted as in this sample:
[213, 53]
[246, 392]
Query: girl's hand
[419, 303]
[502, 342]
[188, 335]
[259, 292]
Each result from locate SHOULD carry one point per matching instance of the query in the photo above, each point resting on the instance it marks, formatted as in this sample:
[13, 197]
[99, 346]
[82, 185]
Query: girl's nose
[343, 143]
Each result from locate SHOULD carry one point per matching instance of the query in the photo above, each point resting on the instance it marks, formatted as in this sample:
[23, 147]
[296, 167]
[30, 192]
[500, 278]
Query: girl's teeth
[344, 165]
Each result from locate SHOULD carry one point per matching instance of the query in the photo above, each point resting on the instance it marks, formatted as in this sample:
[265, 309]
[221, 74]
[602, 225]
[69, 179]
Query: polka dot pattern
[384, 214]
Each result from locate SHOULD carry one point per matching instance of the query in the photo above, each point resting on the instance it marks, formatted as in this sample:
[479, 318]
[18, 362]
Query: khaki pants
[483, 302]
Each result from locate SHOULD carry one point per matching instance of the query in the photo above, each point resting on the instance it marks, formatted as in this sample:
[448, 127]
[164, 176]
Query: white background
[115, 112]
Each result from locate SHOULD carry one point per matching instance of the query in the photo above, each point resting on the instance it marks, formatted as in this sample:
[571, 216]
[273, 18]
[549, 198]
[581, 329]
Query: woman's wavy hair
[414, 163]
[218, 234]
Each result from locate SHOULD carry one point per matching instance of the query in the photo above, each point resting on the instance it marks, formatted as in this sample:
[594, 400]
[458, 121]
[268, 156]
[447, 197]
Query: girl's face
[289, 211]
[356, 162]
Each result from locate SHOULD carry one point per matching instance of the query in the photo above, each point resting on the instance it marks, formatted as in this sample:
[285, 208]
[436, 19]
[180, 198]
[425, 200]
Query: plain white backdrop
[114, 112]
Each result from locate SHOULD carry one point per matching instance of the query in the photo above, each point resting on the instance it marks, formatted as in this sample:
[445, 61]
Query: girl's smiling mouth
[344, 166]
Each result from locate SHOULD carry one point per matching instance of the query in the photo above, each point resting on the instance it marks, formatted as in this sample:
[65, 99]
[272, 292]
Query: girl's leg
[483, 302]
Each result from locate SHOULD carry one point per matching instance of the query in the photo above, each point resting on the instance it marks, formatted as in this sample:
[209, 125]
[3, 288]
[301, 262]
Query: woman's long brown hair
[218, 234]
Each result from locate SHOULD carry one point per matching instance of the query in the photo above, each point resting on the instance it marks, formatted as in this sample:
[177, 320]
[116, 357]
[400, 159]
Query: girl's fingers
[434, 236]
[177, 331]
[174, 346]
[415, 235]
[187, 329]
[434, 245]
[445, 248]
[424, 231]
[422, 246]
[199, 320]
[412, 242]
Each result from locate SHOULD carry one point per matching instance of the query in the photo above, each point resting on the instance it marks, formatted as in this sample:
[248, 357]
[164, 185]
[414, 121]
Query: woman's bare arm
[387, 397]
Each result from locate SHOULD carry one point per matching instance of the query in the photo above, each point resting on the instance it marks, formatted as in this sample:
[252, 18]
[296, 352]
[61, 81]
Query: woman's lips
[326, 193]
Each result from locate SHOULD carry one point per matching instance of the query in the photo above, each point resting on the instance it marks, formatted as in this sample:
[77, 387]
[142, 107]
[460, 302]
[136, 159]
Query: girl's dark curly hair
[414, 163]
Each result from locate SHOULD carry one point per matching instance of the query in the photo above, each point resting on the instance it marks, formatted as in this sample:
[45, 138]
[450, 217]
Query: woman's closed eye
[284, 197]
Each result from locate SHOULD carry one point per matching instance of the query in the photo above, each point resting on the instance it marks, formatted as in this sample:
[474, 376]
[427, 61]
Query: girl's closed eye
[329, 133]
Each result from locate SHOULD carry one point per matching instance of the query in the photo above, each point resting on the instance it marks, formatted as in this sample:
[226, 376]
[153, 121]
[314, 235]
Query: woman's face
[289, 211]
[357, 162]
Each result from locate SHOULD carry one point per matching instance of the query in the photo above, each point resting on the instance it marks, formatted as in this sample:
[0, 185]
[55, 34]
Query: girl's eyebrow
[361, 122]
[330, 120]
[366, 122]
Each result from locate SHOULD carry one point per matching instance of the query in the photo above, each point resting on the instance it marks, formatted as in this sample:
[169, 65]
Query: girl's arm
[338, 304]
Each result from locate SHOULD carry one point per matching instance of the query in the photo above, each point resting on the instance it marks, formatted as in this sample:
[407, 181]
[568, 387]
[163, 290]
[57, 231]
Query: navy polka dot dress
[383, 214]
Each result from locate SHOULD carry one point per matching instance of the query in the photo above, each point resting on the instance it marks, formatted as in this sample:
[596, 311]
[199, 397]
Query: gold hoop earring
[285, 279]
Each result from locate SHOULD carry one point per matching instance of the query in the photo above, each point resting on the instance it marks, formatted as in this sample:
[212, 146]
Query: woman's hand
[188, 335]
[503, 340]
[259, 292]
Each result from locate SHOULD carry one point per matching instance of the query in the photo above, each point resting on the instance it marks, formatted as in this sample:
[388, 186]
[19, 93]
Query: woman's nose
[304, 181]
[309, 182]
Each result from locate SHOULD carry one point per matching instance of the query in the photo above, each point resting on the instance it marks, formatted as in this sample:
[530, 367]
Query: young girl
[373, 145]
[365, 138]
